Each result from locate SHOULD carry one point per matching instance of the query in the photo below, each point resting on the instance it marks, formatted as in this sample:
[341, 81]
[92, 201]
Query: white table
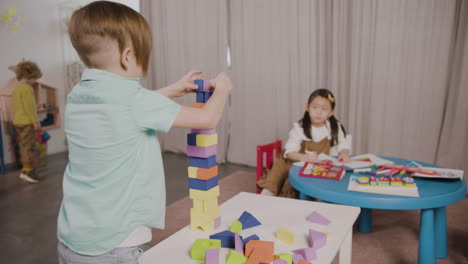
[272, 212]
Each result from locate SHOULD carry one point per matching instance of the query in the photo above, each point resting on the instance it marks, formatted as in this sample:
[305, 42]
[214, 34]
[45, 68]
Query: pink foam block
[238, 244]
[212, 256]
[217, 222]
[280, 261]
[317, 218]
[317, 239]
[201, 152]
[308, 254]
[204, 131]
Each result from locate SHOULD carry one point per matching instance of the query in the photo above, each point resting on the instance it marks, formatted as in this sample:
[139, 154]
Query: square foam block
[198, 105]
[203, 86]
[207, 96]
[200, 97]
[204, 195]
[212, 256]
[201, 152]
[203, 185]
[206, 140]
[202, 173]
[202, 162]
[191, 139]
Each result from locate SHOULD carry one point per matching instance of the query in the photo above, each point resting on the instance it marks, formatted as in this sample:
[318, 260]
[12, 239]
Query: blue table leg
[303, 196]
[440, 224]
[365, 220]
[426, 253]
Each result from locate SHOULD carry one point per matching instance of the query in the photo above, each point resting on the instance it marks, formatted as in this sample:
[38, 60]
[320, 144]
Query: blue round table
[434, 196]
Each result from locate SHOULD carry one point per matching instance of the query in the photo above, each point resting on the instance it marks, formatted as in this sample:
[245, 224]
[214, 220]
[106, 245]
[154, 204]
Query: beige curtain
[386, 61]
[187, 35]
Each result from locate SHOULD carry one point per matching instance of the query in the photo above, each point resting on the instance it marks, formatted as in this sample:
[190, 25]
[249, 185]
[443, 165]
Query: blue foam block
[226, 237]
[203, 185]
[207, 96]
[200, 97]
[205, 163]
[192, 139]
[199, 83]
[248, 220]
[252, 237]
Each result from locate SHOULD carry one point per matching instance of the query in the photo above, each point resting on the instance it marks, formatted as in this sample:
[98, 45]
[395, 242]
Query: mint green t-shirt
[114, 181]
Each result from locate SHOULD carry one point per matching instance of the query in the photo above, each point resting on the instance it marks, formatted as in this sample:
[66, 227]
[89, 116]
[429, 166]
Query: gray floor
[28, 212]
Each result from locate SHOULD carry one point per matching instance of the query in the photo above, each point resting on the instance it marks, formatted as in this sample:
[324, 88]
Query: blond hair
[91, 25]
[27, 70]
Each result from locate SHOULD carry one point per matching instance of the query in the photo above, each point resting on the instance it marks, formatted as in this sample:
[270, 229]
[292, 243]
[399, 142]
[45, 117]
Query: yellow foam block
[204, 195]
[209, 207]
[192, 172]
[236, 227]
[284, 235]
[198, 205]
[203, 140]
[201, 220]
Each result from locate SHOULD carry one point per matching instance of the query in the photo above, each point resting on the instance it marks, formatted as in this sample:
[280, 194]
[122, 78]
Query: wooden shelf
[47, 104]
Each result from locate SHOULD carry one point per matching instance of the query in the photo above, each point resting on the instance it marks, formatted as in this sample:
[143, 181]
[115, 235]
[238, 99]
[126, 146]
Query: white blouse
[296, 136]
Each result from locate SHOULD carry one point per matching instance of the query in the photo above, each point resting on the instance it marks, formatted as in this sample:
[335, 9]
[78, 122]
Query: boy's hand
[183, 86]
[222, 82]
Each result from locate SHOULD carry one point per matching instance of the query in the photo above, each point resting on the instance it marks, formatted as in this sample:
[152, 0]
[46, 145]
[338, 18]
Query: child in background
[25, 118]
[317, 132]
[113, 186]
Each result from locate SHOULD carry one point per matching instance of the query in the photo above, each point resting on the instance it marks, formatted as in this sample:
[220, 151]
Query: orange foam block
[259, 251]
[198, 105]
[303, 261]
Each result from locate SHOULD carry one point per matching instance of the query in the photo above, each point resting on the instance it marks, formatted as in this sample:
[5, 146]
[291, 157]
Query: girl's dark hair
[306, 123]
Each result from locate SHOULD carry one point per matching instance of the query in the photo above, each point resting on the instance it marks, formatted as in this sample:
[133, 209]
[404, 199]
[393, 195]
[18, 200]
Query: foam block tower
[203, 170]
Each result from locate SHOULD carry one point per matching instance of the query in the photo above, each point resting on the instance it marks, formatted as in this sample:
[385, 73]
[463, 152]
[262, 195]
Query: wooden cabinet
[47, 104]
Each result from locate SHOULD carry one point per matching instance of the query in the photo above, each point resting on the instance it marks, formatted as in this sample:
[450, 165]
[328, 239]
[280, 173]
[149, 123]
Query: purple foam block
[308, 254]
[212, 256]
[217, 222]
[204, 131]
[317, 239]
[201, 152]
[238, 244]
[317, 218]
[296, 258]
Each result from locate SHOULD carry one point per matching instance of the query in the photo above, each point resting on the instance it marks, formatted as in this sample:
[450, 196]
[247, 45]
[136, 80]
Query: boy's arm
[208, 116]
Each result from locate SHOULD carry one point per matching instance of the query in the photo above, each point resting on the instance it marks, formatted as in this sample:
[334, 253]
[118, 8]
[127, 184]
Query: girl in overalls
[317, 132]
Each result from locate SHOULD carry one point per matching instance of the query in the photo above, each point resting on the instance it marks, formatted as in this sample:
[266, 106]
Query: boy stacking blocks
[203, 170]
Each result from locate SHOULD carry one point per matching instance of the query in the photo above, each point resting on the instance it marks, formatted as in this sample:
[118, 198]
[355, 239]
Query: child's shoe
[29, 176]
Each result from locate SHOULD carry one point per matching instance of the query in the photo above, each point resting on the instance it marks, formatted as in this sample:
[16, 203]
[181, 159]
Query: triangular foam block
[248, 220]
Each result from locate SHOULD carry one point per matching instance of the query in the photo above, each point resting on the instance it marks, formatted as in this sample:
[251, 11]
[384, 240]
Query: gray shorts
[126, 255]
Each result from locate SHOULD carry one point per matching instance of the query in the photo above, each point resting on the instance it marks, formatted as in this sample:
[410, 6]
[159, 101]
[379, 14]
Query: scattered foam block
[202, 173]
[217, 222]
[204, 195]
[201, 152]
[317, 218]
[306, 253]
[259, 251]
[317, 239]
[203, 162]
[302, 261]
[236, 227]
[296, 258]
[212, 256]
[252, 237]
[284, 256]
[197, 252]
[248, 220]
[204, 131]
[206, 140]
[239, 247]
[284, 235]
[226, 237]
[235, 257]
[204, 185]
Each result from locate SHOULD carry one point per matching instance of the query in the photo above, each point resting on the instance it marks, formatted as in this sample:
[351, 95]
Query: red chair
[265, 157]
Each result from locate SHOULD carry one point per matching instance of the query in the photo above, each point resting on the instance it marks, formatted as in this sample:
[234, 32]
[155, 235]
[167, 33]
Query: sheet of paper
[399, 191]
[442, 173]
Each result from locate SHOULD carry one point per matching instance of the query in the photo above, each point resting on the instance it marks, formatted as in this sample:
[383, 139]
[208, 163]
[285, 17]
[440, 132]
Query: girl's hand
[344, 157]
[183, 86]
[310, 156]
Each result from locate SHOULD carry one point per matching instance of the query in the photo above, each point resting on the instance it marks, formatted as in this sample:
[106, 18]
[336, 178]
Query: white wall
[42, 39]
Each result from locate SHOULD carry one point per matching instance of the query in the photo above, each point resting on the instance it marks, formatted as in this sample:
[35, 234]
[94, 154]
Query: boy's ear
[125, 58]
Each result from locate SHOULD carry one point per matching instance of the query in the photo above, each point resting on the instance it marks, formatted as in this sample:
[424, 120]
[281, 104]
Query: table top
[433, 192]
[272, 212]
